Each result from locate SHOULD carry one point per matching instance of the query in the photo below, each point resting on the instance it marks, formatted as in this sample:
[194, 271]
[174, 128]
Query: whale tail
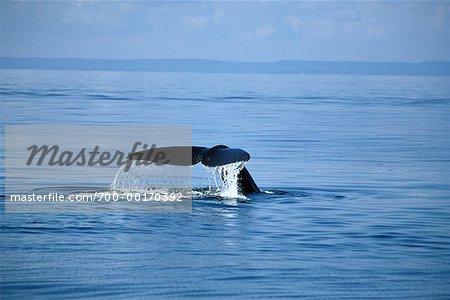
[211, 157]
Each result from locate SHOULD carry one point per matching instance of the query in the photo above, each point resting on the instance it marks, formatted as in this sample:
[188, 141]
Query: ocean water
[355, 169]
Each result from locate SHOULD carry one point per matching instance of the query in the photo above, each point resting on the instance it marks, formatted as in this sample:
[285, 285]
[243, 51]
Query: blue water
[357, 169]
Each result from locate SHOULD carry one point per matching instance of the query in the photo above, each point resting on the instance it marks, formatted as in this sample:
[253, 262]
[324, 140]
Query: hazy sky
[250, 31]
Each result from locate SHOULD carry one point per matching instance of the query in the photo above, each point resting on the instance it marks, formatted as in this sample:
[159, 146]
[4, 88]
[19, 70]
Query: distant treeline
[213, 66]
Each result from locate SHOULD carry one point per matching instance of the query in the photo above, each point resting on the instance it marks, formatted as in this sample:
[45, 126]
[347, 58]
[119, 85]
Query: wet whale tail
[211, 157]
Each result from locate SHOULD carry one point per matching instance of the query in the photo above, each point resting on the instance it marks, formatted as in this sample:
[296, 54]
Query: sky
[380, 31]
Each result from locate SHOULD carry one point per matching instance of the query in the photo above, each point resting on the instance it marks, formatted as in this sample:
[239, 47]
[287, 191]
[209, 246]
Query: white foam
[225, 179]
[222, 181]
[143, 178]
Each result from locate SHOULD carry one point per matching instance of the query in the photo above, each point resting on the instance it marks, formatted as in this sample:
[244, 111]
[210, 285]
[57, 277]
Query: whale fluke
[222, 155]
[246, 182]
[174, 155]
[211, 157]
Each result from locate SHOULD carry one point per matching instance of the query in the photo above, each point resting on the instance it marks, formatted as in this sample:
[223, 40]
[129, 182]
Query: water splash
[144, 178]
[222, 181]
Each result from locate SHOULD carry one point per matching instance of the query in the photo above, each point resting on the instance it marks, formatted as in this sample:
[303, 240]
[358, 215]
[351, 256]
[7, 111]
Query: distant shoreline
[216, 66]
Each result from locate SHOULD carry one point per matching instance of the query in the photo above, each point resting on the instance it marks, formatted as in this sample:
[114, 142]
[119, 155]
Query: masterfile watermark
[97, 168]
[98, 197]
[52, 155]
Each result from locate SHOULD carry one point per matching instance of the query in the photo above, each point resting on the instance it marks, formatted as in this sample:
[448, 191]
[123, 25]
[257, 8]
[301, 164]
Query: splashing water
[222, 180]
[143, 178]
[225, 179]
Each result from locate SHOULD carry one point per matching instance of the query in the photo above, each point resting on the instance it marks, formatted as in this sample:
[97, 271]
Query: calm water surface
[357, 169]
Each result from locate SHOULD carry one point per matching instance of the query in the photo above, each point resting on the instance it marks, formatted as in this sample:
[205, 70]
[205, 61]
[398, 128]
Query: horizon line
[229, 61]
[191, 65]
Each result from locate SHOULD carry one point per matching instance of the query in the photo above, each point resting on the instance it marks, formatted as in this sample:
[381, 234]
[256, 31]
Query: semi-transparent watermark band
[97, 168]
